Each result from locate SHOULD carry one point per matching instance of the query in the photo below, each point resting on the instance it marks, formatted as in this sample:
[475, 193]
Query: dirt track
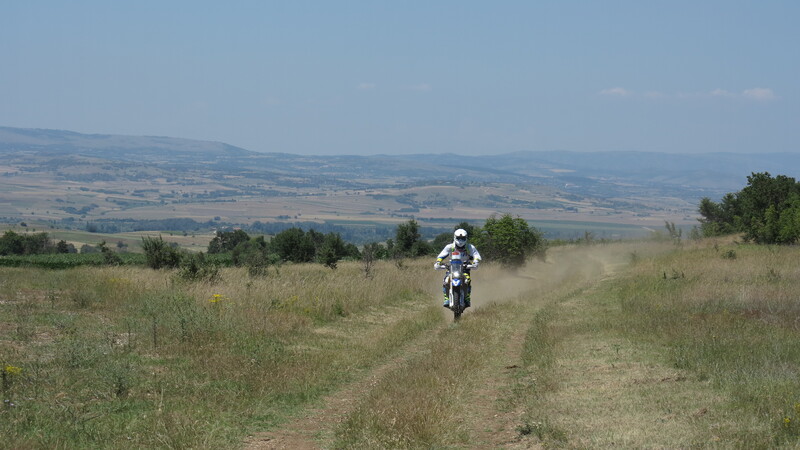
[564, 268]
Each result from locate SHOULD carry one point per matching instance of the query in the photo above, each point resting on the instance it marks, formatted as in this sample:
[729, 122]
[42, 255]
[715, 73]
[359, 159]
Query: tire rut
[496, 425]
[316, 426]
[492, 425]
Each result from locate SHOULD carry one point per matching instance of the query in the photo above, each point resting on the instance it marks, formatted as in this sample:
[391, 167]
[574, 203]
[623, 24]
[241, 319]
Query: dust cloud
[493, 284]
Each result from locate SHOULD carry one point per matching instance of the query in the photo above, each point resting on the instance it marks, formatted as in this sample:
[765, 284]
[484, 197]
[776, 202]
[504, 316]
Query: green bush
[510, 241]
[159, 254]
[195, 267]
[767, 211]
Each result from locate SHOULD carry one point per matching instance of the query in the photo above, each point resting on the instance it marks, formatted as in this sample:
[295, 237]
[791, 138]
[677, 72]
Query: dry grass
[437, 399]
[135, 357]
[693, 348]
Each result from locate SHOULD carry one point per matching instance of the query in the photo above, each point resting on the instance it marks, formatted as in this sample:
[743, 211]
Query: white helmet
[460, 237]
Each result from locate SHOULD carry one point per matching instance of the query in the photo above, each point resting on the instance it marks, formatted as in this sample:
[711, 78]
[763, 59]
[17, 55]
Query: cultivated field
[626, 345]
[37, 198]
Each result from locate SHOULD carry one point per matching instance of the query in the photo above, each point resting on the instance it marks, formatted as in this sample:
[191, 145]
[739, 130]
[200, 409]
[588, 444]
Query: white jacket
[469, 253]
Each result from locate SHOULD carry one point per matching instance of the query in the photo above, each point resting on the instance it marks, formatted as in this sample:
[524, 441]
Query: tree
[789, 222]
[196, 267]
[351, 251]
[109, 257]
[86, 249]
[37, 243]
[159, 254]
[11, 244]
[226, 241]
[63, 247]
[441, 240]
[408, 241]
[316, 238]
[472, 230]
[510, 241]
[253, 254]
[293, 245]
[332, 250]
[406, 235]
[766, 211]
[714, 221]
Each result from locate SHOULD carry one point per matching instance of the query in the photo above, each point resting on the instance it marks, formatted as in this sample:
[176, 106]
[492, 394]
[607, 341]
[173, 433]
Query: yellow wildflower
[13, 370]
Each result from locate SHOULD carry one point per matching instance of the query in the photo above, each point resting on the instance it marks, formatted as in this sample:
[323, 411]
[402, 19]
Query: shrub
[510, 241]
[109, 257]
[159, 254]
[226, 241]
[195, 267]
[293, 245]
[252, 254]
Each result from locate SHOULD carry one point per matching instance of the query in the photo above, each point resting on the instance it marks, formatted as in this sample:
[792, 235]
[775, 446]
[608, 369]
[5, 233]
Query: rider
[467, 253]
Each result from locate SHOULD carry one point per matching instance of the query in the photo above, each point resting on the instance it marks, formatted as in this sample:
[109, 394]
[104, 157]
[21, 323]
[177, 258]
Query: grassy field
[121, 357]
[694, 348]
[622, 345]
[132, 241]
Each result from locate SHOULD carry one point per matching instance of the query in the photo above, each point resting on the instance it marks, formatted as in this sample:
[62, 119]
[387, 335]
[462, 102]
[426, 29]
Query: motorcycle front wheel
[457, 303]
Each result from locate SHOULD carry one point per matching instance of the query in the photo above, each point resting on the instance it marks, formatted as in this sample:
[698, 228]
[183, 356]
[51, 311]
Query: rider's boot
[467, 298]
[446, 303]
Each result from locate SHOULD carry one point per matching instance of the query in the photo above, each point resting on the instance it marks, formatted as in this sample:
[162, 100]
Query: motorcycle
[458, 285]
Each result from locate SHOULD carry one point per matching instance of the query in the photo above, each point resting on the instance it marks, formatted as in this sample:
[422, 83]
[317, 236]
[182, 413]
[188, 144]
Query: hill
[68, 178]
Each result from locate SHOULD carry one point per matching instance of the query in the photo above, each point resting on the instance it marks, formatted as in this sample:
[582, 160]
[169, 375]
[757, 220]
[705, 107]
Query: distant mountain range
[137, 175]
[714, 173]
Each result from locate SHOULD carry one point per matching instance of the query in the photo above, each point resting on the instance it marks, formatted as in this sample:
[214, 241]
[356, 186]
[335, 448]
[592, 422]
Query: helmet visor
[461, 241]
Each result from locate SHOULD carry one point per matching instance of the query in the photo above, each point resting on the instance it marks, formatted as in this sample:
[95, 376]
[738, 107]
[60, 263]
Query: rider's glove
[437, 265]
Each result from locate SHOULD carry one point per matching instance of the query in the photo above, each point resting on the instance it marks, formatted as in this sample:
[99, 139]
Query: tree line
[507, 240]
[766, 211]
[291, 245]
[12, 243]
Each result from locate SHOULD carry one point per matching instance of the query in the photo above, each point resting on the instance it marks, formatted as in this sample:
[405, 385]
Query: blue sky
[383, 77]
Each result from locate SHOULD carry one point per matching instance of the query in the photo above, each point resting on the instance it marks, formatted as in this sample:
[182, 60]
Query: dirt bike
[458, 285]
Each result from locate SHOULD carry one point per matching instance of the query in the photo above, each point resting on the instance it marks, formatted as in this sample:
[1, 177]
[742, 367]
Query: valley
[69, 180]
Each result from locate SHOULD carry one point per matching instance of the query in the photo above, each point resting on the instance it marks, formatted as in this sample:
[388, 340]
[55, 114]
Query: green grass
[66, 260]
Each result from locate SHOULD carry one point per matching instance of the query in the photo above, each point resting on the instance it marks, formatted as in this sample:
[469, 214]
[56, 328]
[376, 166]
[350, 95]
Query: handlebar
[447, 266]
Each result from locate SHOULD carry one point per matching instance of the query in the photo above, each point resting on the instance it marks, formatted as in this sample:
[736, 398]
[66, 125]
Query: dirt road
[516, 296]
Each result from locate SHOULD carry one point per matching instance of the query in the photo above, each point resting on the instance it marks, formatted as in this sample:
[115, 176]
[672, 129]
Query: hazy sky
[372, 76]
